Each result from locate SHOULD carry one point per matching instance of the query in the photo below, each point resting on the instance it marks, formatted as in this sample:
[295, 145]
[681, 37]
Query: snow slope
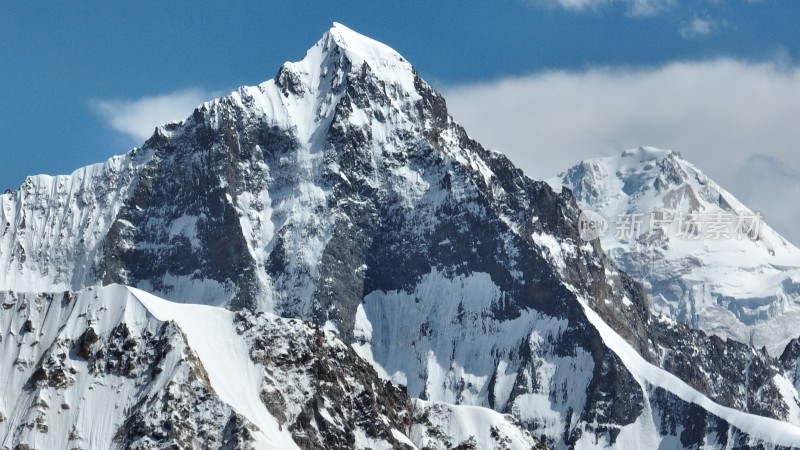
[53, 227]
[719, 280]
[87, 402]
[233, 375]
[485, 367]
[759, 428]
[213, 377]
[442, 425]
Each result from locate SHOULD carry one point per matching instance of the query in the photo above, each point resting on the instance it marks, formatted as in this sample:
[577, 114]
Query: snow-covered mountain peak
[341, 51]
[365, 49]
[648, 181]
[344, 76]
[636, 158]
[636, 173]
[340, 122]
[706, 259]
[660, 168]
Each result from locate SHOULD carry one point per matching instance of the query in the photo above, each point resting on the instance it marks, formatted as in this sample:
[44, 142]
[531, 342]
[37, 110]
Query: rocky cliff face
[117, 368]
[342, 193]
[790, 360]
[95, 370]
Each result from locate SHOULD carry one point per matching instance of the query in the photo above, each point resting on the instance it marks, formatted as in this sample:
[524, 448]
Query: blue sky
[78, 81]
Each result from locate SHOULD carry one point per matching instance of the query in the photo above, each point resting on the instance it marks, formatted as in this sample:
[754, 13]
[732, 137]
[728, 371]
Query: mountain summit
[357, 249]
[725, 271]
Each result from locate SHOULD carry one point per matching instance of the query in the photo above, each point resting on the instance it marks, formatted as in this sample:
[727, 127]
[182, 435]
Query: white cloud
[696, 27]
[775, 185]
[649, 7]
[719, 114]
[138, 118]
[576, 5]
[635, 7]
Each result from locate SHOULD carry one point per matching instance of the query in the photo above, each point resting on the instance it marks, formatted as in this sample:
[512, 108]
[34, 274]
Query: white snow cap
[383, 61]
[365, 48]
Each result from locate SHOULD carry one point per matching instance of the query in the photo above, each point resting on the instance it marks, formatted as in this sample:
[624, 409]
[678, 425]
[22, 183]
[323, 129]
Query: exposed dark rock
[83, 345]
[343, 388]
[790, 361]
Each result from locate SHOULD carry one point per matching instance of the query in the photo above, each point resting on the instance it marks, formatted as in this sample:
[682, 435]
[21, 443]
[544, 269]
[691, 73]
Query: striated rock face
[342, 194]
[53, 227]
[99, 372]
